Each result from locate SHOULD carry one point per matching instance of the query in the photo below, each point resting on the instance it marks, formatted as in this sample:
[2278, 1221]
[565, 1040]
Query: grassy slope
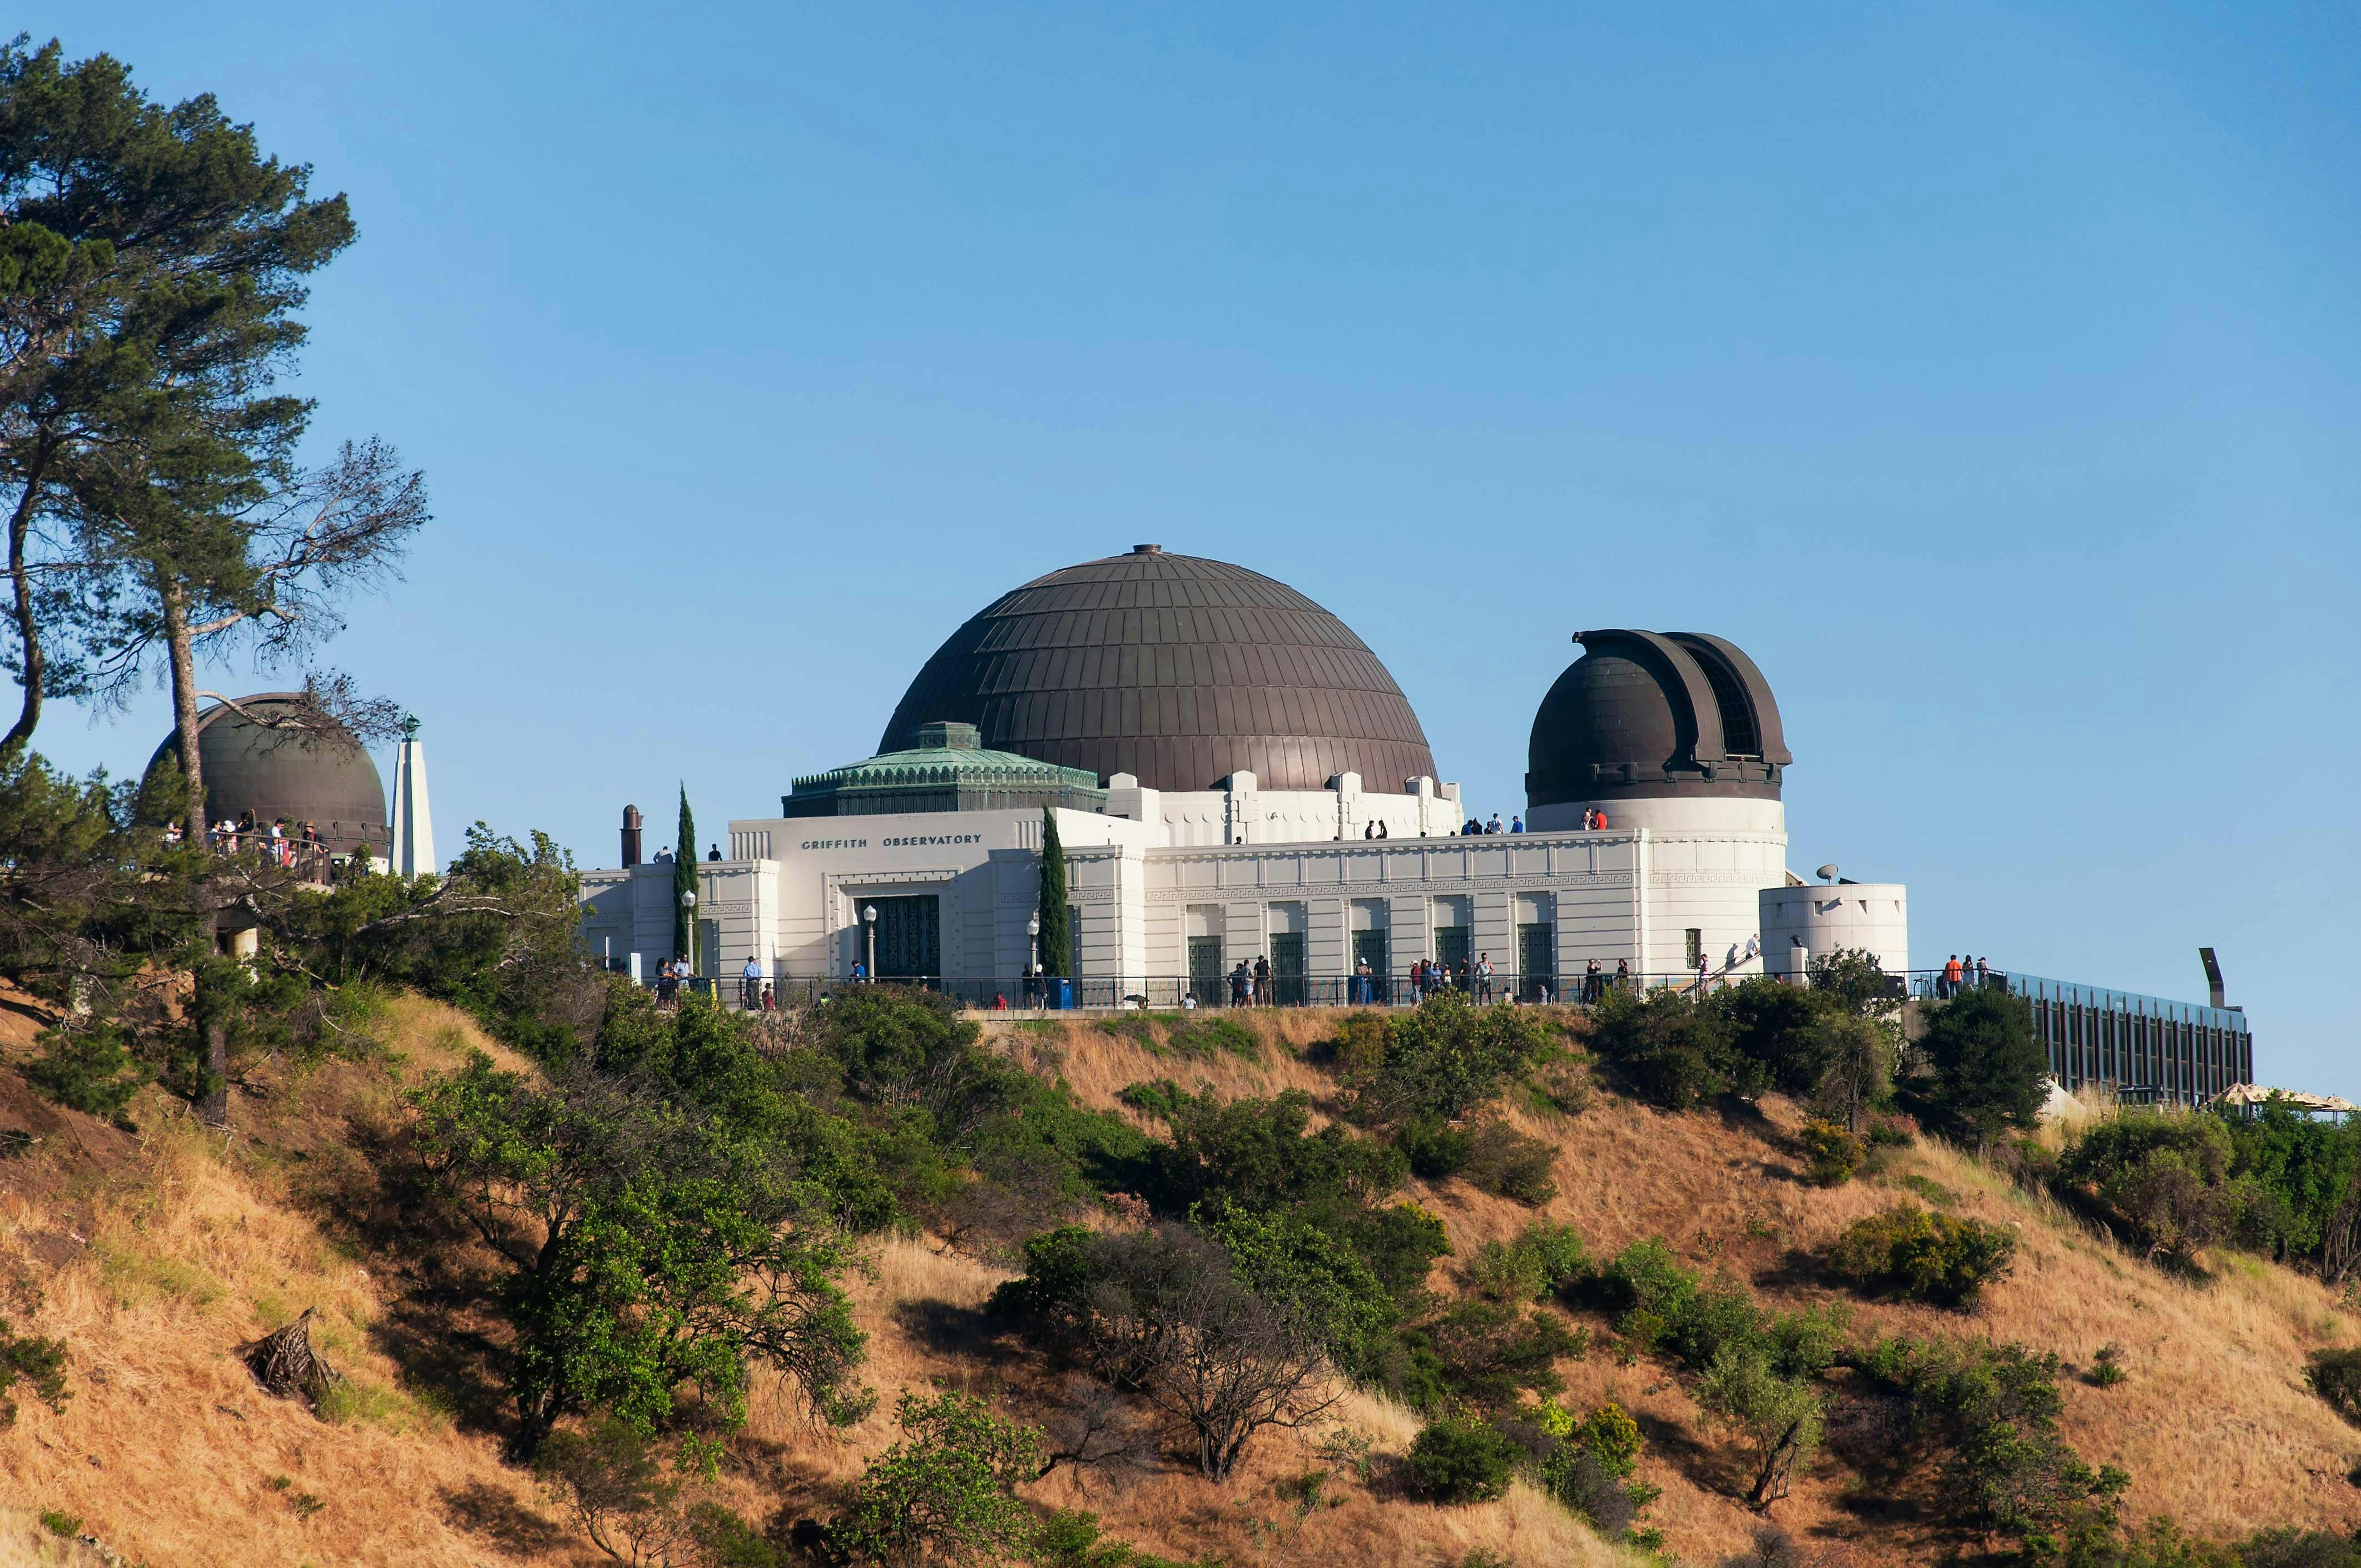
[156, 1255]
[2214, 1424]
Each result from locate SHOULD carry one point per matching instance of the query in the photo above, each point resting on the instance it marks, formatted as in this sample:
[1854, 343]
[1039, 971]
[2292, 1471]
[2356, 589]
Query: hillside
[155, 1255]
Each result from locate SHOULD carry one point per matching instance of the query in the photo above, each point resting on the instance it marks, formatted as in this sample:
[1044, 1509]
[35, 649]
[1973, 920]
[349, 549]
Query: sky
[1991, 374]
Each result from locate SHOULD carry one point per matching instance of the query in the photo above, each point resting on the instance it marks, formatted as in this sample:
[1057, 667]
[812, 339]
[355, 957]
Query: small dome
[1175, 669]
[1646, 714]
[302, 775]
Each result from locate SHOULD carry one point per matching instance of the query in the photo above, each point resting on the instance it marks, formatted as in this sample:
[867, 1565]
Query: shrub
[1986, 1415]
[2335, 1377]
[1672, 1053]
[1510, 1163]
[1984, 1066]
[1654, 1289]
[36, 1362]
[87, 1069]
[1831, 1154]
[1780, 1030]
[1779, 1418]
[1261, 1154]
[1436, 1150]
[947, 1489]
[1203, 1036]
[2106, 1367]
[1927, 1186]
[1586, 1465]
[1461, 1461]
[1488, 1354]
[1937, 1258]
[2162, 1178]
[59, 1523]
[1543, 1258]
[1891, 1133]
[1315, 1279]
[1441, 1060]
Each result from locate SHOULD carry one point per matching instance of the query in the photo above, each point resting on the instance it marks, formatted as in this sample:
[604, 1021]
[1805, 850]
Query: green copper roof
[947, 754]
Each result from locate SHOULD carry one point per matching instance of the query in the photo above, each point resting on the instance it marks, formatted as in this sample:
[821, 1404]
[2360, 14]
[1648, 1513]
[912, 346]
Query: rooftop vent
[1147, 549]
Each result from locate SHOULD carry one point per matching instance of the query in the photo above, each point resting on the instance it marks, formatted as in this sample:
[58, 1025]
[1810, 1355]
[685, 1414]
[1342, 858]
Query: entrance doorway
[1286, 968]
[910, 935]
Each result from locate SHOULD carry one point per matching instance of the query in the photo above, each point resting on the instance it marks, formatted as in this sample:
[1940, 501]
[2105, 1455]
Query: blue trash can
[1061, 994]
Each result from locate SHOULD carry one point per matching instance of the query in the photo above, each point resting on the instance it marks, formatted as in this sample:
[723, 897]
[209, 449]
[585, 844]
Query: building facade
[1236, 779]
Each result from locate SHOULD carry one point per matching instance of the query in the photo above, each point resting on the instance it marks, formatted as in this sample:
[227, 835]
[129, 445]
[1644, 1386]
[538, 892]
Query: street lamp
[869, 919]
[1033, 945]
[688, 912]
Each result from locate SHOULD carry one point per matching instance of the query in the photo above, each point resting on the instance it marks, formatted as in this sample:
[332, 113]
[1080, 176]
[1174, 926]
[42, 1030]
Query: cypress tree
[684, 880]
[1057, 937]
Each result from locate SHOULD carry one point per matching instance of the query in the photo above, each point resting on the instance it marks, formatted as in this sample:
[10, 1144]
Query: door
[1205, 970]
[1286, 968]
[910, 936]
[1453, 946]
[1536, 961]
[1370, 947]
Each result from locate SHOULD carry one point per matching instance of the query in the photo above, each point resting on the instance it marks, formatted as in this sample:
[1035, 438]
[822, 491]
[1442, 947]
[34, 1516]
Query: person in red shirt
[1951, 973]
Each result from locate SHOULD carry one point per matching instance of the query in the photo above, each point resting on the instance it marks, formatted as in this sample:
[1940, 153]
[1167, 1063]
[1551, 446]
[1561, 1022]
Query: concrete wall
[1871, 915]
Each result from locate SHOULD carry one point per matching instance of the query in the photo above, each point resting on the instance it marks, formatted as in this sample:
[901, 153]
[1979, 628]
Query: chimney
[631, 835]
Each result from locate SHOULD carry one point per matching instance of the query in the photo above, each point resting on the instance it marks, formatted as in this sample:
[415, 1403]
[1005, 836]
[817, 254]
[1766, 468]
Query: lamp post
[688, 905]
[869, 920]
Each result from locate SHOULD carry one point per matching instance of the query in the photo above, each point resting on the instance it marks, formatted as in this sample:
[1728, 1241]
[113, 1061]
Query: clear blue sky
[1988, 373]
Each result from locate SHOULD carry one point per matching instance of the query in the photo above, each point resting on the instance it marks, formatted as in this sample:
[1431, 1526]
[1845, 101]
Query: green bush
[1543, 1258]
[1487, 1354]
[1439, 1061]
[1831, 1154]
[61, 1523]
[1436, 1150]
[2106, 1367]
[1910, 1251]
[947, 1489]
[88, 1069]
[1984, 1066]
[38, 1363]
[1510, 1163]
[2335, 1377]
[1461, 1461]
[1986, 1415]
[2162, 1178]
[1206, 1036]
[1672, 1052]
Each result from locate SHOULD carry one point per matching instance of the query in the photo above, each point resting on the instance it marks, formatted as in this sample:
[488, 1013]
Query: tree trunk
[29, 629]
[212, 1104]
[182, 655]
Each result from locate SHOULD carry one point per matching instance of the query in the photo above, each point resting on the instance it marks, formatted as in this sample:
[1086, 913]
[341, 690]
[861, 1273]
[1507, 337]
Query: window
[1693, 945]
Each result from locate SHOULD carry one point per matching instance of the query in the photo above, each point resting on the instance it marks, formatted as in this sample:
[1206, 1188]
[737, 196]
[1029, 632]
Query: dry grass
[2214, 1424]
[157, 1257]
[154, 1268]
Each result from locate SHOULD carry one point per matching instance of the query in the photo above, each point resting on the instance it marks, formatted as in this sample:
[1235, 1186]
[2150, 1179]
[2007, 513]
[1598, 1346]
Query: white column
[413, 829]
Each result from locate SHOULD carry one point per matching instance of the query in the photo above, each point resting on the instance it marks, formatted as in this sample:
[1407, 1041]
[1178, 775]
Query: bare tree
[176, 570]
[1174, 1322]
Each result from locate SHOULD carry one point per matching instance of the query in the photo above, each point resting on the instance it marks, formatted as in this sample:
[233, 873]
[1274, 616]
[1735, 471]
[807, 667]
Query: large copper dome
[1179, 670]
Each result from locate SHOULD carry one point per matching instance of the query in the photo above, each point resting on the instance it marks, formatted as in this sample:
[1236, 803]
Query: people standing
[750, 984]
[1622, 974]
[1383, 832]
[1483, 977]
[1516, 824]
[1983, 974]
[1591, 981]
[1262, 980]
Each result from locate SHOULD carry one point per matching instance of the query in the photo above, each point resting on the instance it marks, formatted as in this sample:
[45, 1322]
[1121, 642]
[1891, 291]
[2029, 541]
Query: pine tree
[1057, 937]
[684, 882]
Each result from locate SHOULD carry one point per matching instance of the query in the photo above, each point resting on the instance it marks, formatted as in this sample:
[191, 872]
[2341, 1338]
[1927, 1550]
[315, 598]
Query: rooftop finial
[409, 727]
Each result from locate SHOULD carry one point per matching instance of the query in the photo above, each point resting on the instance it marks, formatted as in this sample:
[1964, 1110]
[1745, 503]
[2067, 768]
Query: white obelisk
[414, 830]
